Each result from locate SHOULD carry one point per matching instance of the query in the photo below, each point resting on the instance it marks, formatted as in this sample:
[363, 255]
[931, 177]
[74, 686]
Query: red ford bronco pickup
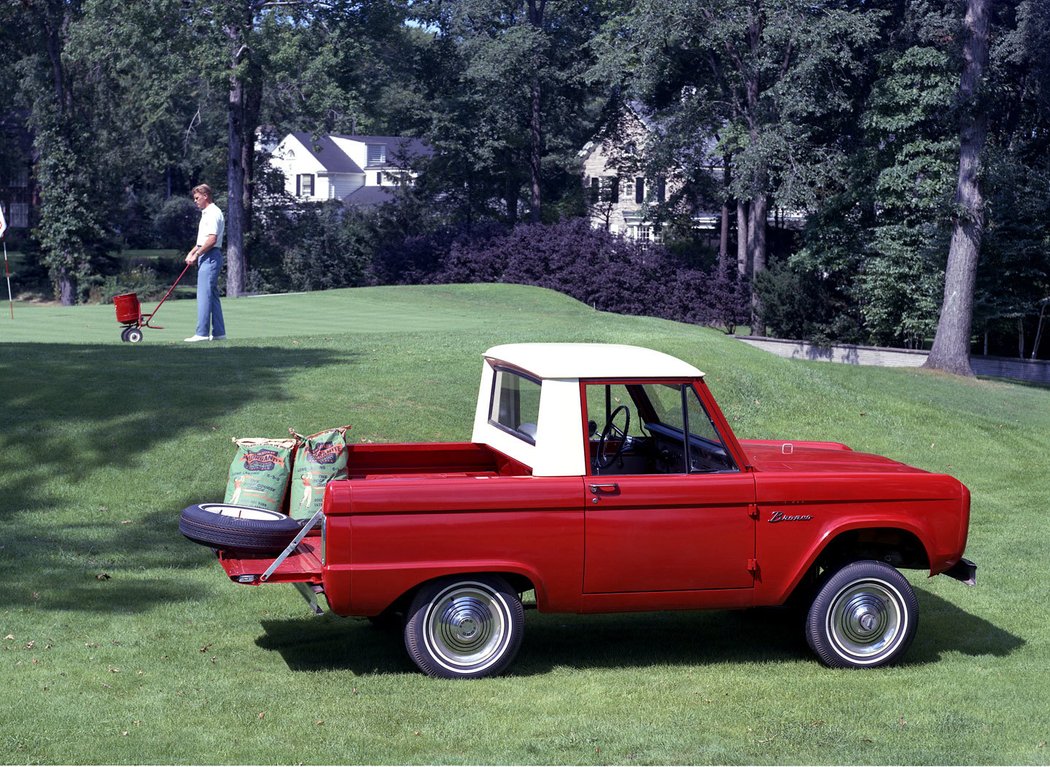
[605, 478]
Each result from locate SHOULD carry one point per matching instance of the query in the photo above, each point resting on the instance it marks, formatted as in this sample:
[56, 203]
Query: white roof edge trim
[590, 360]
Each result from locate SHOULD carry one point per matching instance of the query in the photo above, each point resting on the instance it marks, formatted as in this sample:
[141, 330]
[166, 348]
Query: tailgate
[303, 565]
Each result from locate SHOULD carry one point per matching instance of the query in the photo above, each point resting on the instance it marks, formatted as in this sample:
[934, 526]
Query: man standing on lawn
[207, 254]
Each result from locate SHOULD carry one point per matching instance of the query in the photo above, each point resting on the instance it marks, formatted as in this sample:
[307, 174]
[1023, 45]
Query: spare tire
[241, 528]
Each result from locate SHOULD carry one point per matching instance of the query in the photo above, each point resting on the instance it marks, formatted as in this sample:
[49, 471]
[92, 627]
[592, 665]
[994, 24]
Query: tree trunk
[536, 9]
[235, 184]
[67, 289]
[56, 29]
[252, 109]
[741, 237]
[756, 241]
[723, 234]
[951, 344]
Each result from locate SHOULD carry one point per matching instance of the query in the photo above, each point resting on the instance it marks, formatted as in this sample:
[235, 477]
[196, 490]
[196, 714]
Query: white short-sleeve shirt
[212, 222]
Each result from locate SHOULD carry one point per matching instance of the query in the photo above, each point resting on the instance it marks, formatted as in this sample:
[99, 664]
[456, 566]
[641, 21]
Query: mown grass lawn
[121, 642]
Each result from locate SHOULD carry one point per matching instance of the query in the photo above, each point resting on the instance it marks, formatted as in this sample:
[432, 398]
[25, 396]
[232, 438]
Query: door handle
[604, 487]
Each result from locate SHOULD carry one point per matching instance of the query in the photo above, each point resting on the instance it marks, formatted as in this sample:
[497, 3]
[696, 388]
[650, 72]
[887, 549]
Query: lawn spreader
[129, 312]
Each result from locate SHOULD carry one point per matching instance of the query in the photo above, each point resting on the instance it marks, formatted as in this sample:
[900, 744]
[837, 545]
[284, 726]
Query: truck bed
[430, 459]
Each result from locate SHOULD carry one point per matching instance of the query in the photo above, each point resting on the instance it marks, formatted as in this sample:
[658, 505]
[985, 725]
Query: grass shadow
[85, 426]
[627, 640]
[945, 628]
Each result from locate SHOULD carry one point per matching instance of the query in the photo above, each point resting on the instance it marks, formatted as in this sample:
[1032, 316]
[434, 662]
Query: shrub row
[316, 247]
[607, 272]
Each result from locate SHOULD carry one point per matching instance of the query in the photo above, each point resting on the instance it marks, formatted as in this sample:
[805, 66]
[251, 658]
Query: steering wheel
[602, 460]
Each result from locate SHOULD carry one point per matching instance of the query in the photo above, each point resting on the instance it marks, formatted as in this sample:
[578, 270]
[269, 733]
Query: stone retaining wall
[1037, 371]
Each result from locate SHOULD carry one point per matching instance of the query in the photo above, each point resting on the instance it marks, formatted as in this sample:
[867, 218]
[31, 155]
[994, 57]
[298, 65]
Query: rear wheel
[134, 335]
[864, 615]
[464, 627]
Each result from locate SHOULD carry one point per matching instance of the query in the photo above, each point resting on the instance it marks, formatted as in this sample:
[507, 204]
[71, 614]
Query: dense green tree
[158, 117]
[1013, 276]
[12, 48]
[511, 97]
[770, 78]
[910, 143]
[73, 197]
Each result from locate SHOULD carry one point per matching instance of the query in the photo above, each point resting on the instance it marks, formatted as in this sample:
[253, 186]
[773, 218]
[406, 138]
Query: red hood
[779, 455]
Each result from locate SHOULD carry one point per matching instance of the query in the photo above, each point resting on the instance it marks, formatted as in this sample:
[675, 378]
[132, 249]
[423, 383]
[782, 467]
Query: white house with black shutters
[357, 170]
[621, 191]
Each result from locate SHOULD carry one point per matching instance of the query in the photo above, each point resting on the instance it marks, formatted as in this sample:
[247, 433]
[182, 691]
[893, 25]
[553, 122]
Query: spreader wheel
[134, 335]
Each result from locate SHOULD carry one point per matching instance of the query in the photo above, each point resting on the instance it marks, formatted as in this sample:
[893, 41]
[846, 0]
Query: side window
[514, 406]
[603, 399]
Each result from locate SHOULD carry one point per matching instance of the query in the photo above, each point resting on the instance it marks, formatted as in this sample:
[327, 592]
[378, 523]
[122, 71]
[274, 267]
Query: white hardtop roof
[555, 360]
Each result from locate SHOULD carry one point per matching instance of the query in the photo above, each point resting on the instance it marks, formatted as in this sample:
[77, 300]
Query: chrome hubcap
[467, 627]
[867, 620]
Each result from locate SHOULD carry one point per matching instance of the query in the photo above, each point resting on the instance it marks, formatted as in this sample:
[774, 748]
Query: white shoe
[194, 339]
[218, 338]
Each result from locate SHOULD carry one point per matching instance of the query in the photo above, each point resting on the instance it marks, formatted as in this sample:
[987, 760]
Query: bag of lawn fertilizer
[260, 472]
[319, 459]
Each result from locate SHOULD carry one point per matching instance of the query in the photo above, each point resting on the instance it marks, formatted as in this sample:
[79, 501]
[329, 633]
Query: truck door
[666, 508]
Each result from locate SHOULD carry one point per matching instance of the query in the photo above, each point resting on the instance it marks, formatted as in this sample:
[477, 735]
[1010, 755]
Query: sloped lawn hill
[120, 642]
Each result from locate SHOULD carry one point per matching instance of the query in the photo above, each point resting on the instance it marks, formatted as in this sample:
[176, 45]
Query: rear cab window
[514, 405]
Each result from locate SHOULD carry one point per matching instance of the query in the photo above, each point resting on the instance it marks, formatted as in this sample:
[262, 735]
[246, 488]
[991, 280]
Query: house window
[643, 236]
[19, 217]
[595, 189]
[639, 190]
[647, 234]
[661, 189]
[614, 189]
[304, 185]
[377, 154]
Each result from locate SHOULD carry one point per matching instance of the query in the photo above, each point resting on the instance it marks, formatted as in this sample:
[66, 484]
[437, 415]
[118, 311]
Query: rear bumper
[964, 570]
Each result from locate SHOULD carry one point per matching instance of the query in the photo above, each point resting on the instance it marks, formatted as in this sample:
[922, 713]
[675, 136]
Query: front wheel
[464, 627]
[864, 615]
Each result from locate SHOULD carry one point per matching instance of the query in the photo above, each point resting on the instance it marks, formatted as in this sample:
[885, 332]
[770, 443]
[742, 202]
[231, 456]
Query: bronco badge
[779, 516]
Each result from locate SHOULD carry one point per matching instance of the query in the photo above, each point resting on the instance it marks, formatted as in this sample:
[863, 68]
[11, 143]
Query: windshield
[667, 405]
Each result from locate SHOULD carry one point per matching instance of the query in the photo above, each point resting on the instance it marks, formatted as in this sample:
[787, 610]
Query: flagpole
[7, 266]
[7, 270]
